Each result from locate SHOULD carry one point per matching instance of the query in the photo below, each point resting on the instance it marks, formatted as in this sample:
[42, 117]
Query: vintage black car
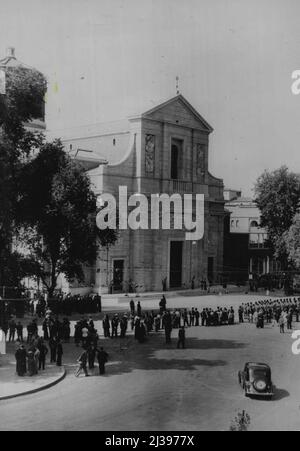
[256, 380]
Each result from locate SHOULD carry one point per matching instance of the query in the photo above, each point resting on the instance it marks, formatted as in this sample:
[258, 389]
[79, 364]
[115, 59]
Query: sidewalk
[12, 386]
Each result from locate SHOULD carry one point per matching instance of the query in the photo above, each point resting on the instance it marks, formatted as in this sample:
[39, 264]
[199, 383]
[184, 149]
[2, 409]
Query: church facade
[162, 151]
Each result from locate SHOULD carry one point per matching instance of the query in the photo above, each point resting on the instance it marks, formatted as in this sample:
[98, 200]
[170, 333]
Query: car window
[259, 373]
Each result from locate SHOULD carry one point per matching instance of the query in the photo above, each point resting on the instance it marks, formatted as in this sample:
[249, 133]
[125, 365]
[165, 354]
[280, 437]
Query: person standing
[157, 322]
[185, 318]
[20, 332]
[59, 353]
[281, 324]
[132, 307]
[32, 363]
[241, 314]
[163, 304]
[114, 326]
[77, 334]
[85, 336]
[106, 326]
[53, 347]
[21, 356]
[289, 319]
[168, 326]
[45, 327]
[139, 309]
[91, 324]
[83, 359]
[197, 317]
[43, 351]
[91, 357]
[12, 330]
[102, 358]
[124, 325]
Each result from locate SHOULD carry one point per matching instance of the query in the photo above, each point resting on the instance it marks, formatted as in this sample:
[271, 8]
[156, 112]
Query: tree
[292, 240]
[277, 197]
[57, 216]
[241, 423]
[23, 102]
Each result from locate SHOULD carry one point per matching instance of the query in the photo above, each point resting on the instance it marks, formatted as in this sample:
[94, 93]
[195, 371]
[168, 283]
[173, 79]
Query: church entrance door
[176, 253]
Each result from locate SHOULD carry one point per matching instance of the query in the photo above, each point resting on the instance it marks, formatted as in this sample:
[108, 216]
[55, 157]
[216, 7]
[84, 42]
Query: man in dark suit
[42, 355]
[102, 358]
[59, 353]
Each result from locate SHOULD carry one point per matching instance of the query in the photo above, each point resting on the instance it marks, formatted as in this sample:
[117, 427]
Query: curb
[36, 390]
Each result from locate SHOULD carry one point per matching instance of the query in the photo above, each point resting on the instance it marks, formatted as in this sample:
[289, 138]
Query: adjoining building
[164, 150]
[246, 251]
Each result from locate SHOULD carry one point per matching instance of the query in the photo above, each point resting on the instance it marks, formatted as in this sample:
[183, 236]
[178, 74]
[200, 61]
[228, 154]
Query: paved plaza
[154, 386]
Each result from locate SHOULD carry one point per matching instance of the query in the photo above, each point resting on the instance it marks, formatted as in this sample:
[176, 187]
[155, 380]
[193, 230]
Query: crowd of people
[33, 359]
[66, 304]
[281, 311]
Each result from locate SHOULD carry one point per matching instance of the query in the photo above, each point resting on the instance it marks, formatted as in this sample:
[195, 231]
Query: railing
[258, 246]
[180, 186]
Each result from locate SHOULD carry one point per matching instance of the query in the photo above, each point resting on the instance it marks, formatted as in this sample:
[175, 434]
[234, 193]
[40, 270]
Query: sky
[109, 59]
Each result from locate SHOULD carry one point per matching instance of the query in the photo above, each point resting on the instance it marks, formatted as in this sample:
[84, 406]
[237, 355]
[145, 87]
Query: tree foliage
[23, 102]
[277, 197]
[57, 216]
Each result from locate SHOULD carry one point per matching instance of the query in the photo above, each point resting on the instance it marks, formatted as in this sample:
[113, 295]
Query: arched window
[254, 223]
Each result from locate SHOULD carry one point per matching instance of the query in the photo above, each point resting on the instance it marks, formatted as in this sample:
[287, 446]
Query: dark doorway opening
[118, 275]
[176, 253]
[174, 163]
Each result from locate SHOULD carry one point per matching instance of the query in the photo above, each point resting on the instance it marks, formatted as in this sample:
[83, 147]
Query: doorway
[176, 254]
[118, 275]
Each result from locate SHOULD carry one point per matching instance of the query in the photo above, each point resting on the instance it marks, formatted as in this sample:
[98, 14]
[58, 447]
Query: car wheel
[260, 385]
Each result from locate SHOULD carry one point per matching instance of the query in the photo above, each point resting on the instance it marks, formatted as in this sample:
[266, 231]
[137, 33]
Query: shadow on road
[161, 364]
[194, 343]
[154, 354]
[280, 394]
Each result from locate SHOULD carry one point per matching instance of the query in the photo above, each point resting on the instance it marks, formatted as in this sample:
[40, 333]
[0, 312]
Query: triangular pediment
[178, 111]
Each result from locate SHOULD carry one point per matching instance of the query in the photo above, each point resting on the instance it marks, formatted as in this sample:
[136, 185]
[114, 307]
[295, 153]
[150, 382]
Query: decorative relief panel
[150, 153]
[201, 160]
